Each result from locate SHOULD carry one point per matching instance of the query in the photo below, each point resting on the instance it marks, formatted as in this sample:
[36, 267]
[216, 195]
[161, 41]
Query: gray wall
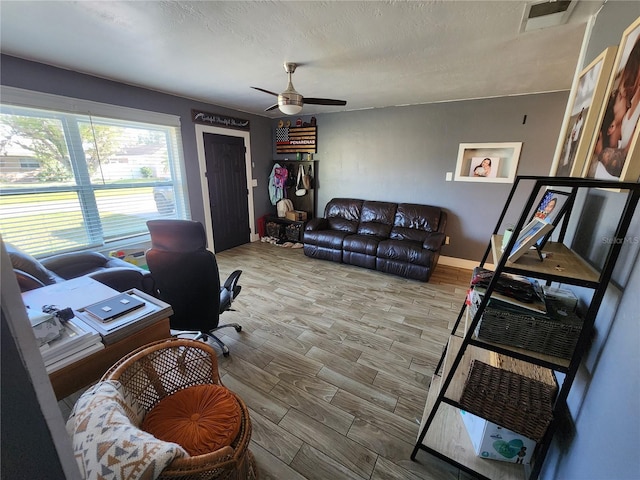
[605, 400]
[401, 154]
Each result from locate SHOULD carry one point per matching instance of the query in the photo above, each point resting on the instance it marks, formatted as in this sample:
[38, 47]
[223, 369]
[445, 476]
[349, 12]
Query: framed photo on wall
[582, 116]
[487, 162]
[614, 153]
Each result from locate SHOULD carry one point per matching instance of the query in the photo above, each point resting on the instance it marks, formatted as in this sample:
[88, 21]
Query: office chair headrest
[177, 235]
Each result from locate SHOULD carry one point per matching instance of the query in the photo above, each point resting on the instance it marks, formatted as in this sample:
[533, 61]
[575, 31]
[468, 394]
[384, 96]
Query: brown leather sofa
[403, 239]
[113, 272]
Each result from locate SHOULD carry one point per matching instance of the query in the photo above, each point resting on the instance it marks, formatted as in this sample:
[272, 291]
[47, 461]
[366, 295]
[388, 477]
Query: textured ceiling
[372, 54]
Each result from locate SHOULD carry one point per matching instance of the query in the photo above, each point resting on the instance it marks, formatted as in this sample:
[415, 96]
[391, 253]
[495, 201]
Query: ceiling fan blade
[265, 91]
[324, 101]
[272, 107]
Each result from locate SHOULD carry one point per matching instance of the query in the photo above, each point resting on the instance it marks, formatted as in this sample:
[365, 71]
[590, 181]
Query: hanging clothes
[277, 180]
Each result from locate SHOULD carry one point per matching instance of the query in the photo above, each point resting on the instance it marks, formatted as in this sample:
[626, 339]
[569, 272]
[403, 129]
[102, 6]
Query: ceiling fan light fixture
[290, 109]
[290, 102]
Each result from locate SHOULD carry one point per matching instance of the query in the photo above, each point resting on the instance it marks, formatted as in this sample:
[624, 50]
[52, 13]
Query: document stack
[119, 316]
[77, 341]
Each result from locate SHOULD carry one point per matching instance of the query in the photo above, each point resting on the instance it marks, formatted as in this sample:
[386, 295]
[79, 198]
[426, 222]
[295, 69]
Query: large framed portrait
[614, 153]
[582, 116]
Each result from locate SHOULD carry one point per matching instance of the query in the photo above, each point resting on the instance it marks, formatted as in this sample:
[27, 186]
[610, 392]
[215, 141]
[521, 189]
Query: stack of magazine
[78, 340]
[117, 317]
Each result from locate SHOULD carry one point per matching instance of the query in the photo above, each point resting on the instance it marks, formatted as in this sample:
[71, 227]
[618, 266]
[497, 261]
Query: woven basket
[513, 401]
[543, 334]
[293, 232]
[275, 230]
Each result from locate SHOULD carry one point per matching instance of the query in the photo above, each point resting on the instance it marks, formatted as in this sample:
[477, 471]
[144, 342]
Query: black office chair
[186, 276]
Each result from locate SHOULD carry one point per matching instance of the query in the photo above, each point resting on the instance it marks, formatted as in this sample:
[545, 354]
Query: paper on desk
[75, 293]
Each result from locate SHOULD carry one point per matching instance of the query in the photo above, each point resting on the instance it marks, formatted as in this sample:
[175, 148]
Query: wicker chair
[162, 368]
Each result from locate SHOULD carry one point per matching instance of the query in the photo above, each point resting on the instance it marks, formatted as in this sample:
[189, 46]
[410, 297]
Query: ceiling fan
[290, 101]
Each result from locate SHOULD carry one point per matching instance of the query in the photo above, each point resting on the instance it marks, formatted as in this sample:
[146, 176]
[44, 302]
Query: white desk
[78, 293]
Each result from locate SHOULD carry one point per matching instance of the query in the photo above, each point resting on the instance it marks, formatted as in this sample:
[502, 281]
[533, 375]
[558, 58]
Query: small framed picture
[530, 234]
[484, 167]
[487, 162]
[552, 206]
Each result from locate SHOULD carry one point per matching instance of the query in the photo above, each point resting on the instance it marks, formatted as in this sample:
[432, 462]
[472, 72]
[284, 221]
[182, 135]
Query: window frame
[70, 112]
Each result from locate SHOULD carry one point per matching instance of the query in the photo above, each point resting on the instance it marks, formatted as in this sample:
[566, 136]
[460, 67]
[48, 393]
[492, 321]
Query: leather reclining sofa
[403, 239]
[111, 271]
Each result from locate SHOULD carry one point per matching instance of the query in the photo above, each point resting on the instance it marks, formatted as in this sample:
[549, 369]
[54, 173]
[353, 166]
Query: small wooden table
[77, 293]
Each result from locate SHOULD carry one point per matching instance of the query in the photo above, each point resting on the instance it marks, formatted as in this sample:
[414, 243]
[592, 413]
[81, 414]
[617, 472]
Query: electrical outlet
[449, 176]
[446, 240]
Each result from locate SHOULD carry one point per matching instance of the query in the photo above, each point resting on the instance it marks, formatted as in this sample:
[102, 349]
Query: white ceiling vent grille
[548, 13]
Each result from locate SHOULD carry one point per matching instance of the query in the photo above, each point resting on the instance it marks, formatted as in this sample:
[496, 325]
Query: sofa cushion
[412, 222]
[343, 214]
[76, 264]
[377, 218]
[404, 250]
[201, 419]
[325, 238]
[366, 244]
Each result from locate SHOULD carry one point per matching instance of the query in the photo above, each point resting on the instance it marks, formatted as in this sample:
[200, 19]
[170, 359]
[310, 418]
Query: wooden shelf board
[563, 263]
[563, 363]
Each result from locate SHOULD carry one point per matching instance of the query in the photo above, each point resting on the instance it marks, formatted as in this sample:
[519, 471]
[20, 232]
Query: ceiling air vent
[546, 14]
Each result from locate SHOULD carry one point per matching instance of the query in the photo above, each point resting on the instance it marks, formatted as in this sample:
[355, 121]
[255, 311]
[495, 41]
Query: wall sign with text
[206, 118]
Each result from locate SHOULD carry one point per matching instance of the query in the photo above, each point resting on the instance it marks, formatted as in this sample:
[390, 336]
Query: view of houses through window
[72, 182]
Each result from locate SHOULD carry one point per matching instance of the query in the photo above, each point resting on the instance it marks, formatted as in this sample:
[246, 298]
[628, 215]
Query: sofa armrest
[124, 278]
[75, 264]
[434, 241]
[26, 281]
[316, 224]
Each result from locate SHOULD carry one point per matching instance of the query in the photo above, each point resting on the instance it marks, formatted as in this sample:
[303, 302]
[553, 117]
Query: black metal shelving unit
[442, 432]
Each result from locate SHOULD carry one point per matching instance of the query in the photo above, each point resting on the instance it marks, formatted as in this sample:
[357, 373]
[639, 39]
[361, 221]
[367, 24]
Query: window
[91, 180]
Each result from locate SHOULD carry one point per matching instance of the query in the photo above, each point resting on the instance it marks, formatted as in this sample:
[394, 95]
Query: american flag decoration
[296, 139]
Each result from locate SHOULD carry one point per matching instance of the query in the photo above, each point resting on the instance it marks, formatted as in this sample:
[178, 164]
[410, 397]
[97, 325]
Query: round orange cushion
[201, 419]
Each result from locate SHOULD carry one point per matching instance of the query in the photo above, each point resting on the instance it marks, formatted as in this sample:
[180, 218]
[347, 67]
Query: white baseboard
[461, 263]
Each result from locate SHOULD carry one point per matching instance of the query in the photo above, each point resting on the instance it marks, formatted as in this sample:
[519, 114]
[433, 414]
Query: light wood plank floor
[334, 362]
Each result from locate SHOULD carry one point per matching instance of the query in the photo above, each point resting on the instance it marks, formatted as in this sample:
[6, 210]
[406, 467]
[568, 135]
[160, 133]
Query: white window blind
[74, 181]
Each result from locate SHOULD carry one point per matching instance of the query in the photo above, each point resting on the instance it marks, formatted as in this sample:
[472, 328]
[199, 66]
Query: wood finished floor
[334, 362]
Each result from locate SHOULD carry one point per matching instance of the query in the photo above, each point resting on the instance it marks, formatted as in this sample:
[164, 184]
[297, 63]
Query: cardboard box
[296, 215]
[494, 442]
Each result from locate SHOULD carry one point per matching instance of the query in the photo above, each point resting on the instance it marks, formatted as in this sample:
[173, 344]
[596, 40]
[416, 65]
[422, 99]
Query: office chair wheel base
[238, 328]
[225, 351]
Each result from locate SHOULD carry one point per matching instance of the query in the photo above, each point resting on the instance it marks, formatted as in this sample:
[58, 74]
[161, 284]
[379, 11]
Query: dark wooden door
[228, 195]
